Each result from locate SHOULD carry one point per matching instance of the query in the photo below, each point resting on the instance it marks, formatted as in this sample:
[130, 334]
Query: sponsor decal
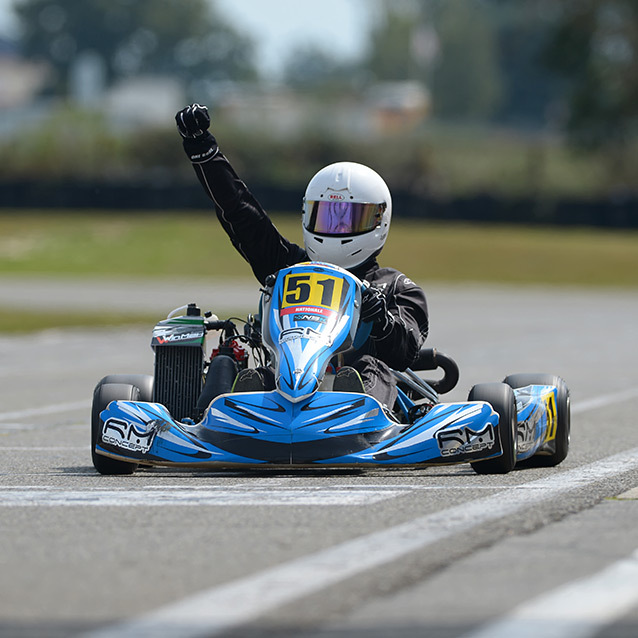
[324, 312]
[526, 433]
[128, 436]
[309, 317]
[172, 338]
[463, 440]
[303, 333]
[336, 197]
[202, 156]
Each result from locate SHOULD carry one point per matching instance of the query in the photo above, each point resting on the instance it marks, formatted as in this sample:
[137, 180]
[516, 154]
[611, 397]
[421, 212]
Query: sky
[278, 26]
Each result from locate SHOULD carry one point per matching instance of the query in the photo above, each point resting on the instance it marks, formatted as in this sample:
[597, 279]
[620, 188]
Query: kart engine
[179, 363]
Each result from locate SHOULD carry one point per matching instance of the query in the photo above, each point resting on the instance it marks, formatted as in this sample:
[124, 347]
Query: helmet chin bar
[343, 253]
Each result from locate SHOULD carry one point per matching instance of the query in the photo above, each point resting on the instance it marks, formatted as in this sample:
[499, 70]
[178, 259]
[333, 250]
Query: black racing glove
[374, 308]
[192, 124]
[193, 121]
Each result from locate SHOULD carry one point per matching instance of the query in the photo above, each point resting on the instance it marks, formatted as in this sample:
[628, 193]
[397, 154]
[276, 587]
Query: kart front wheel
[103, 395]
[563, 416]
[501, 397]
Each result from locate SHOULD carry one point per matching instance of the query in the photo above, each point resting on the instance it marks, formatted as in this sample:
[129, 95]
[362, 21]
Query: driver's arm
[250, 229]
[398, 339]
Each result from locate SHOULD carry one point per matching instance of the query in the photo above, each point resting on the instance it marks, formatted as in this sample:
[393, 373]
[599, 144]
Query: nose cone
[304, 383]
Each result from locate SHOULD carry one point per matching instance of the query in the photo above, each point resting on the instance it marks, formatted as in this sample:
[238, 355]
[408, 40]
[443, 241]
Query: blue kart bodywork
[334, 428]
[311, 314]
[537, 419]
[330, 428]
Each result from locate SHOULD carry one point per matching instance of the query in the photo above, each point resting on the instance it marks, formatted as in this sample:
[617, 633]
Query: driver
[346, 216]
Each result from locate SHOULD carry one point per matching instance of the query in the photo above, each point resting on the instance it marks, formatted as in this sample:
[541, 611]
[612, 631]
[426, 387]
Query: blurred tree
[390, 55]
[450, 45]
[533, 97]
[134, 36]
[595, 44]
[467, 80]
[310, 67]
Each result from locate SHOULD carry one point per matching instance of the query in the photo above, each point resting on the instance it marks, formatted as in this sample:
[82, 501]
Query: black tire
[103, 395]
[144, 383]
[501, 397]
[563, 415]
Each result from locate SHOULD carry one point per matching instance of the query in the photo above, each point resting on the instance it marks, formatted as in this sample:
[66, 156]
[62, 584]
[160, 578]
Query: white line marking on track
[43, 448]
[17, 426]
[46, 409]
[605, 400]
[576, 610]
[236, 603]
[16, 497]
[202, 495]
[365, 486]
[629, 495]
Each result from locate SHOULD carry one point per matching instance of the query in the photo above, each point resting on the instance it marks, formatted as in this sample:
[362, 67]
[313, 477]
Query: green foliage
[71, 142]
[391, 56]
[450, 46]
[480, 59]
[129, 37]
[532, 96]
[77, 144]
[311, 69]
[466, 82]
[595, 43]
[439, 160]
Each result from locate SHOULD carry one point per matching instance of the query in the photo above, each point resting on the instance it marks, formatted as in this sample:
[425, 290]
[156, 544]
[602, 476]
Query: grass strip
[27, 321]
[178, 244]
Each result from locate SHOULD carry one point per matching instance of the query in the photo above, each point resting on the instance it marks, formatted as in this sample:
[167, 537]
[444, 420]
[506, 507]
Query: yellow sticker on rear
[552, 419]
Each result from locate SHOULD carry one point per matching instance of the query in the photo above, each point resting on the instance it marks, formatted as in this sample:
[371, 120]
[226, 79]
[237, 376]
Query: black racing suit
[257, 239]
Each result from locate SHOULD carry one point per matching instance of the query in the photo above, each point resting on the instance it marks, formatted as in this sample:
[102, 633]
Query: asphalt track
[437, 552]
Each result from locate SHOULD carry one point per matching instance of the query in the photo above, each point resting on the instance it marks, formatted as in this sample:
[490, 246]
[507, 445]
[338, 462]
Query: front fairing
[310, 314]
[327, 428]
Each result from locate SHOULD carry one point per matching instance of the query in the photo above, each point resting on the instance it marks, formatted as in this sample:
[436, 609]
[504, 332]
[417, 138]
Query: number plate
[312, 289]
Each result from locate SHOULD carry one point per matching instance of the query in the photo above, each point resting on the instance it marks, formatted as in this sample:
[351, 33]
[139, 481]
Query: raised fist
[193, 121]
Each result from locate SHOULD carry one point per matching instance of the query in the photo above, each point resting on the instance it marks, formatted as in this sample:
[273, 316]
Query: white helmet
[346, 214]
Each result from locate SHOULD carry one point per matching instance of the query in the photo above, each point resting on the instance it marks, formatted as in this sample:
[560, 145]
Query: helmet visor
[343, 218]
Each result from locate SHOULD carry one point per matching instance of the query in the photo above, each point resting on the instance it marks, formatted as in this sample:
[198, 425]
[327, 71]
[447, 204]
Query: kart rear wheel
[563, 415]
[103, 395]
[144, 383]
[501, 397]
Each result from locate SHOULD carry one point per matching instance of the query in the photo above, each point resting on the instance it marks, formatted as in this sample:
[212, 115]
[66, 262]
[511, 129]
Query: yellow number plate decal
[312, 289]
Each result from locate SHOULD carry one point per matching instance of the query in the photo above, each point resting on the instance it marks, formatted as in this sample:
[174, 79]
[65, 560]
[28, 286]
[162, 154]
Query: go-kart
[187, 414]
